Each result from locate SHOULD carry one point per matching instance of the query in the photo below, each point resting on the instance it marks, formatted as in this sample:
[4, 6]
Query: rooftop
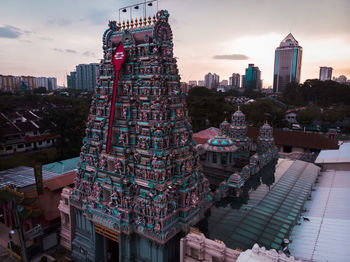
[325, 237]
[342, 155]
[23, 176]
[274, 201]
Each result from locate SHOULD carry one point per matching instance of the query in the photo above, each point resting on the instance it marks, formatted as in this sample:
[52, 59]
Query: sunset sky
[50, 37]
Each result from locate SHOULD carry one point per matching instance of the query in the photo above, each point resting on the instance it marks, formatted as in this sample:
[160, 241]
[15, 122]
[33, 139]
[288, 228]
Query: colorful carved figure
[136, 187]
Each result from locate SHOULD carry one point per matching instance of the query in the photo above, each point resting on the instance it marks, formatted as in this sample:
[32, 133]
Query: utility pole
[18, 226]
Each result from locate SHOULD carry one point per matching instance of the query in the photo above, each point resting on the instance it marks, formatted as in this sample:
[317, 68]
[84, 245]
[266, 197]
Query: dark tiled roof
[297, 139]
[283, 138]
[26, 126]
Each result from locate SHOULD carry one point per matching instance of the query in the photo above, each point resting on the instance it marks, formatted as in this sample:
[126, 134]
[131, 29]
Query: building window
[287, 149]
[8, 148]
[20, 146]
[28, 144]
[40, 142]
[224, 158]
[47, 141]
[214, 158]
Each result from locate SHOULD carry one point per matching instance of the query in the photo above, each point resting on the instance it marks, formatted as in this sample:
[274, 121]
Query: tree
[307, 116]
[39, 90]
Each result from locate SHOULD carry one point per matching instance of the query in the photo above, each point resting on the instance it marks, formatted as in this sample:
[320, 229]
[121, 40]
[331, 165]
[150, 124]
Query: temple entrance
[110, 243]
[111, 250]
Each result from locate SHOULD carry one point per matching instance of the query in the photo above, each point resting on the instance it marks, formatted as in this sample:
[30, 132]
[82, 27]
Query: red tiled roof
[30, 139]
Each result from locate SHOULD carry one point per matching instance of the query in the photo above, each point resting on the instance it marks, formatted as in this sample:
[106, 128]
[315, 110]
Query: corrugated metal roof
[22, 176]
[326, 236]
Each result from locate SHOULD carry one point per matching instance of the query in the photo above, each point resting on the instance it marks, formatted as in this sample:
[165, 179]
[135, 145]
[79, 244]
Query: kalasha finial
[154, 19]
[239, 108]
[119, 24]
[123, 24]
[127, 24]
[149, 20]
[131, 23]
[144, 21]
[140, 22]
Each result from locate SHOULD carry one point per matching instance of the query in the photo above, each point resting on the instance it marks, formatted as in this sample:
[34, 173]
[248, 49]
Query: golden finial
[119, 24]
[140, 21]
[149, 20]
[127, 24]
[239, 109]
[144, 21]
[123, 24]
[131, 23]
[154, 19]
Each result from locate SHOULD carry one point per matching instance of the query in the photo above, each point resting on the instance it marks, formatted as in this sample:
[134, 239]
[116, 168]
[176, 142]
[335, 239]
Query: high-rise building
[139, 184]
[72, 80]
[252, 77]
[325, 73]
[234, 80]
[50, 83]
[211, 80]
[224, 82]
[201, 83]
[288, 57]
[192, 83]
[86, 77]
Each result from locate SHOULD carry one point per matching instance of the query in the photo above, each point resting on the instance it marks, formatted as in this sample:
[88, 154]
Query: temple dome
[235, 180]
[220, 143]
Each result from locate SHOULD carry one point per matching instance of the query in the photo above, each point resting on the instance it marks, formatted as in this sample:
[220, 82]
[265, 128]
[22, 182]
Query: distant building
[50, 83]
[325, 73]
[72, 80]
[288, 57]
[252, 78]
[341, 79]
[224, 83]
[201, 83]
[234, 80]
[211, 80]
[192, 83]
[86, 77]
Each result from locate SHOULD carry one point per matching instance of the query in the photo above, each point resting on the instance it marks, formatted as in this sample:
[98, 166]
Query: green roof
[63, 166]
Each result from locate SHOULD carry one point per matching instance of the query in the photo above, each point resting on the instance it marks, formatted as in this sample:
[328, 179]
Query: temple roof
[220, 143]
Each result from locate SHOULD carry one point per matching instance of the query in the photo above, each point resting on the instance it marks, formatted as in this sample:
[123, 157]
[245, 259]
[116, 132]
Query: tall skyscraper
[211, 80]
[325, 73]
[72, 80]
[86, 76]
[252, 78]
[234, 80]
[288, 58]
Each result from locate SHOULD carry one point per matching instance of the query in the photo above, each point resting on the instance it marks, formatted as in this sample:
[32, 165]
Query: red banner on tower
[118, 59]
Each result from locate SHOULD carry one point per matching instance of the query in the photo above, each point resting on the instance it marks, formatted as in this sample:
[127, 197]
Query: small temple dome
[224, 124]
[220, 143]
[238, 115]
[235, 180]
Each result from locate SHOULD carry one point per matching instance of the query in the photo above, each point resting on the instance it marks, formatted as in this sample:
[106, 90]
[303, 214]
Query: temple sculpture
[139, 183]
[230, 158]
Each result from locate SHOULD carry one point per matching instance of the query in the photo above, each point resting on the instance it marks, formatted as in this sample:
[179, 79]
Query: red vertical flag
[118, 59]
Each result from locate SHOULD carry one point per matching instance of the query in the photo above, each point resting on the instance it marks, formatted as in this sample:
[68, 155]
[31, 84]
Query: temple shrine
[139, 184]
[230, 158]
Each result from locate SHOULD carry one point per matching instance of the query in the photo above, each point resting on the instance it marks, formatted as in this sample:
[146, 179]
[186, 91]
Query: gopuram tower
[139, 183]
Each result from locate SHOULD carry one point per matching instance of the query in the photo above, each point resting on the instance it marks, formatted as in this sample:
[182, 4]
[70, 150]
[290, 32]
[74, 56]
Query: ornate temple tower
[265, 141]
[139, 182]
[238, 131]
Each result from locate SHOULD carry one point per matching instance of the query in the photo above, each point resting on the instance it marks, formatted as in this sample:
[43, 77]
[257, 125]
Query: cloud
[71, 51]
[231, 57]
[8, 31]
[88, 54]
[60, 22]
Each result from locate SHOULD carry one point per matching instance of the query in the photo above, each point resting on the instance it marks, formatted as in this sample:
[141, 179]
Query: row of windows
[27, 145]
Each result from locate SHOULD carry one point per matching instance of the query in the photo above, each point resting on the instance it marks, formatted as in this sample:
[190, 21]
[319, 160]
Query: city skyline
[50, 39]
